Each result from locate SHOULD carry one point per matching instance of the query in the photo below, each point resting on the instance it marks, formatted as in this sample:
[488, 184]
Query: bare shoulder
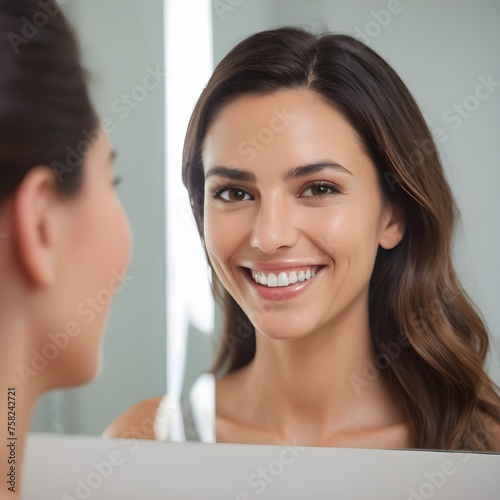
[135, 423]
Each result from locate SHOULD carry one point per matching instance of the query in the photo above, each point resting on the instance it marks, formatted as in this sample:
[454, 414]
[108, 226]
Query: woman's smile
[284, 278]
[282, 285]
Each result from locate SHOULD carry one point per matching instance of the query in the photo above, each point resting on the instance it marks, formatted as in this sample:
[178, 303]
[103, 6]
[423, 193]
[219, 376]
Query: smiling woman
[329, 242]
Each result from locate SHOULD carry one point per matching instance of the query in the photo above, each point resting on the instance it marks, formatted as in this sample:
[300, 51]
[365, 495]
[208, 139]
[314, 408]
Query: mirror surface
[441, 50]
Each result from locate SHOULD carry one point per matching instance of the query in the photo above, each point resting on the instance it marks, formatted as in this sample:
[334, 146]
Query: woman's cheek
[221, 230]
[210, 232]
[330, 230]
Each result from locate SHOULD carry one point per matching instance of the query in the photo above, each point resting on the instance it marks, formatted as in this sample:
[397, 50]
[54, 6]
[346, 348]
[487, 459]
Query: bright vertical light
[188, 64]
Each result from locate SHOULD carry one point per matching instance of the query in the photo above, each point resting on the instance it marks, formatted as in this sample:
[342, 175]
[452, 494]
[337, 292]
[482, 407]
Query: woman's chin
[79, 375]
[284, 332]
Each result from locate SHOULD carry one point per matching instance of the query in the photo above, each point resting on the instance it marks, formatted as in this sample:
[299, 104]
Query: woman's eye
[319, 190]
[233, 194]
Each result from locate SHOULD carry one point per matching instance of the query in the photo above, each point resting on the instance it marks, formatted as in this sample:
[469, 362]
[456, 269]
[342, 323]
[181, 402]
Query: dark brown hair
[414, 291]
[45, 110]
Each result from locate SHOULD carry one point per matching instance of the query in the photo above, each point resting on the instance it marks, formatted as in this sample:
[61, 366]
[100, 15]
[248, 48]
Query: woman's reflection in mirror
[328, 223]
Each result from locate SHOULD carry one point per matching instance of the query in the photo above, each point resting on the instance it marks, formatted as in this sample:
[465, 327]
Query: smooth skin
[56, 252]
[264, 211]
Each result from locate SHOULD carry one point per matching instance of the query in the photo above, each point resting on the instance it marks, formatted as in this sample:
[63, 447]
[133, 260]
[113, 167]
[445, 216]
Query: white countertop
[72, 467]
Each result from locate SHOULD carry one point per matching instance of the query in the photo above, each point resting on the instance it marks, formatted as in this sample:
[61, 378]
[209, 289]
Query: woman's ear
[34, 225]
[393, 225]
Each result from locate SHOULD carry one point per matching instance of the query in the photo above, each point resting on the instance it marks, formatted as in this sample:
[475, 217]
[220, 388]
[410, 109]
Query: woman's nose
[275, 227]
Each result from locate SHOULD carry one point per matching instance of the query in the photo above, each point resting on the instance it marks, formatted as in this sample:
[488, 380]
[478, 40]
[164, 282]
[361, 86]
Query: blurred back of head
[45, 110]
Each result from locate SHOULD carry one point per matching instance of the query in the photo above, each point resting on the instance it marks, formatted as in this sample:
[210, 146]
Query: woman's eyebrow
[293, 173]
[312, 168]
[231, 173]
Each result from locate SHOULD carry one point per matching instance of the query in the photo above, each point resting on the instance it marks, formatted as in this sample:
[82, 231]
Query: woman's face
[293, 212]
[93, 259]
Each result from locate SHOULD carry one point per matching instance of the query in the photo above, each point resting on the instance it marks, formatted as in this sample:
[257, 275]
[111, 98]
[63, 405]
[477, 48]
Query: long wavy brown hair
[450, 401]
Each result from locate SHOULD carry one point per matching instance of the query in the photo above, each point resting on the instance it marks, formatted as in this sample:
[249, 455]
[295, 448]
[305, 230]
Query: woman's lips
[275, 287]
[284, 278]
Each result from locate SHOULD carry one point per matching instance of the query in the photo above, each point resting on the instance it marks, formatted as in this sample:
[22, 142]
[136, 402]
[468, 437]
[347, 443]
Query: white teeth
[284, 279]
[272, 280]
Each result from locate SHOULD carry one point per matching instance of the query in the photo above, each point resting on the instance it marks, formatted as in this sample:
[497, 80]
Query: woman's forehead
[287, 128]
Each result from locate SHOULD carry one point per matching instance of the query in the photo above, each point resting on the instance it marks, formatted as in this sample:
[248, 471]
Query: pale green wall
[120, 39]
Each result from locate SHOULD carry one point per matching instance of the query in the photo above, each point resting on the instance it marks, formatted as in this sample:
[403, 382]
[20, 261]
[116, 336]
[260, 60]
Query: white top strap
[169, 422]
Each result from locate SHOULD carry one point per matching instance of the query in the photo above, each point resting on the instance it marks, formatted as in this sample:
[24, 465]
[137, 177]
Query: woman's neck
[311, 389]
